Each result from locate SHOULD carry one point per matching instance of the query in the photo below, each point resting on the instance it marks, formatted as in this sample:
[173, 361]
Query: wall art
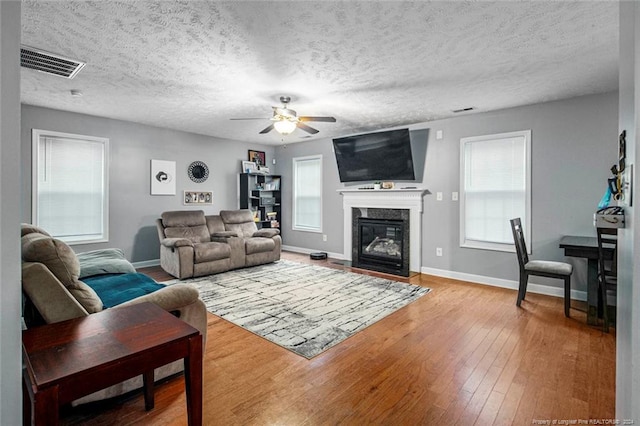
[198, 197]
[257, 157]
[163, 177]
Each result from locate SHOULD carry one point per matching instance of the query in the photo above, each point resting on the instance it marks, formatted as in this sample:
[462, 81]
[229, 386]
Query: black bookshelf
[262, 195]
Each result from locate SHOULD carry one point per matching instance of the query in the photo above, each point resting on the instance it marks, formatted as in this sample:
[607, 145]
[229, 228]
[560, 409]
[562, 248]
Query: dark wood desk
[70, 359]
[586, 247]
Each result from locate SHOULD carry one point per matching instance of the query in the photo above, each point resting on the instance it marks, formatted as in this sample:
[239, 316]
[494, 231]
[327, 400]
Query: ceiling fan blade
[267, 129]
[254, 118]
[325, 119]
[307, 128]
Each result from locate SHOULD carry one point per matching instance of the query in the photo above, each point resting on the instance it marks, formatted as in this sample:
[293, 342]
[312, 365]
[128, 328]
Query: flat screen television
[375, 157]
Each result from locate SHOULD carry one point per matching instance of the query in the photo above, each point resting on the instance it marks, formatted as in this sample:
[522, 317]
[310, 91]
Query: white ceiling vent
[463, 109]
[49, 63]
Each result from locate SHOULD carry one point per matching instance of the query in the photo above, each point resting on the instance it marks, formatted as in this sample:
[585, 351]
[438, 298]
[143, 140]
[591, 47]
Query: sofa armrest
[266, 232]
[49, 296]
[170, 298]
[223, 234]
[176, 242]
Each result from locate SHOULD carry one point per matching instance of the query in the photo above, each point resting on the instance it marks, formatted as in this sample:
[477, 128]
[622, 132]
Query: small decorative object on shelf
[388, 185]
[272, 217]
[377, 185]
[249, 167]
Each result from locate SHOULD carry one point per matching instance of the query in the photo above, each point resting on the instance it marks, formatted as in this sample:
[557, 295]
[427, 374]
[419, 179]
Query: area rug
[301, 307]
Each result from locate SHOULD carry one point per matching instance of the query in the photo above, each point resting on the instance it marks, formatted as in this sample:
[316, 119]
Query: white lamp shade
[284, 127]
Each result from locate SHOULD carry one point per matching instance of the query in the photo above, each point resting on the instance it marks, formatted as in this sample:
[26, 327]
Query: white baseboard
[146, 263]
[499, 282]
[294, 249]
[476, 279]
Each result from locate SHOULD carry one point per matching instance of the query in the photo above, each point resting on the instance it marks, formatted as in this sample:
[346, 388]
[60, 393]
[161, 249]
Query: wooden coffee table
[67, 360]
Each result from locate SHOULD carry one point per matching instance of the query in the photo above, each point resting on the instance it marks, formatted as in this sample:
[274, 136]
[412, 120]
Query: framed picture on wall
[198, 197]
[257, 157]
[163, 177]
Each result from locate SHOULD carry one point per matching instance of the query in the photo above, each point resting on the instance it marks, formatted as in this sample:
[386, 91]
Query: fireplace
[398, 203]
[380, 240]
[381, 245]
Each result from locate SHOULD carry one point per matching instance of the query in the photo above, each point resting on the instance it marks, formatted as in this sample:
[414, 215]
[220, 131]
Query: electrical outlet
[438, 196]
[439, 251]
[438, 134]
[454, 196]
[324, 237]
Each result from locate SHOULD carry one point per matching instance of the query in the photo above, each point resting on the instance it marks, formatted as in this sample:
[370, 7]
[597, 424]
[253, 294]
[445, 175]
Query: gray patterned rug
[304, 308]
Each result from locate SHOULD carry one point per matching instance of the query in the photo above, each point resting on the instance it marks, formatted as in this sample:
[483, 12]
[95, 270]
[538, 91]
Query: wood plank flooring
[462, 355]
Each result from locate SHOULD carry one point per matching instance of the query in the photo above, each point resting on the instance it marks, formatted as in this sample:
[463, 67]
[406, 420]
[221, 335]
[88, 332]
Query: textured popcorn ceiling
[193, 65]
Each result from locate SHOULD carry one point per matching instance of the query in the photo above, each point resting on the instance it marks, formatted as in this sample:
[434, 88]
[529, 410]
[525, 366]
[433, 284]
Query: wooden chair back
[607, 240]
[518, 239]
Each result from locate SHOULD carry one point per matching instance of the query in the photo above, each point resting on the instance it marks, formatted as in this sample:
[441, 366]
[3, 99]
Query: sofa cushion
[114, 289]
[27, 228]
[267, 232]
[259, 245]
[214, 224]
[104, 261]
[196, 234]
[54, 254]
[207, 252]
[63, 263]
[86, 296]
[239, 221]
[181, 218]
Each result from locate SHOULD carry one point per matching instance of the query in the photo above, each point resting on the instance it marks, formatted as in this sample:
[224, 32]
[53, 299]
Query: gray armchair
[55, 291]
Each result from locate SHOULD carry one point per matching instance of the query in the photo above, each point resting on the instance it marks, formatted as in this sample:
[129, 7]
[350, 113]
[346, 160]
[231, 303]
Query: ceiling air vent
[49, 63]
[463, 109]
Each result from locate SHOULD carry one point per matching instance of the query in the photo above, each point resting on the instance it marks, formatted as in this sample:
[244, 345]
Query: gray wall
[627, 330]
[574, 143]
[10, 355]
[132, 210]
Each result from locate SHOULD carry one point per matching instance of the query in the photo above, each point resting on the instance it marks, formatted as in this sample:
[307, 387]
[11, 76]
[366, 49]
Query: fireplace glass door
[380, 245]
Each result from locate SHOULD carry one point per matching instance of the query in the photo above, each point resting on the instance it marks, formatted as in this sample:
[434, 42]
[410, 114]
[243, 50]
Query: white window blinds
[495, 188]
[307, 193]
[70, 186]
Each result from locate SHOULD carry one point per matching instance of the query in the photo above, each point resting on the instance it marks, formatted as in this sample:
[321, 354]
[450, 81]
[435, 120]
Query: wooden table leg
[45, 407]
[592, 292]
[27, 399]
[148, 384]
[193, 381]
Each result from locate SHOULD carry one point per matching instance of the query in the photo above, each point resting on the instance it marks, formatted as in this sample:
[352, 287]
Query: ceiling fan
[286, 120]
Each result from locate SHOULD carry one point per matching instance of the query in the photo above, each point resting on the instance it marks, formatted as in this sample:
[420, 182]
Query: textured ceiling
[193, 65]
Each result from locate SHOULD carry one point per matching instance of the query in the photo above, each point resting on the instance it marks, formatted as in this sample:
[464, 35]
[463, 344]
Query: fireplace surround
[410, 199]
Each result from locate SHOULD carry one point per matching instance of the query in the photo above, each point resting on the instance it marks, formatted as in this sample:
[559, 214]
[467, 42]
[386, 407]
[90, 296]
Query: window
[495, 187]
[307, 193]
[70, 186]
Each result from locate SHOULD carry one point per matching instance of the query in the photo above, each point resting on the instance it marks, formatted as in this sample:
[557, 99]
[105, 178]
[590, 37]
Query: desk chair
[542, 268]
[607, 269]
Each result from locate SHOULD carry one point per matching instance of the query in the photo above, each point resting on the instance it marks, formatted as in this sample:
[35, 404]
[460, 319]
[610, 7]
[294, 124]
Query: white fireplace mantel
[402, 198]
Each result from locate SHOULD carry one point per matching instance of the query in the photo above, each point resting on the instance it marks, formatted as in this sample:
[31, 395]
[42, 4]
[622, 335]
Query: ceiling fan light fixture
[284, 127]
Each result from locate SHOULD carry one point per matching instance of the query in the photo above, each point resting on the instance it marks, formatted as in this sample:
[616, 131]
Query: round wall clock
[198, 171]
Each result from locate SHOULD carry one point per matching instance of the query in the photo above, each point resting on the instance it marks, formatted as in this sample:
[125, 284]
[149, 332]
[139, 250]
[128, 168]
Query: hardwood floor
[462, 355]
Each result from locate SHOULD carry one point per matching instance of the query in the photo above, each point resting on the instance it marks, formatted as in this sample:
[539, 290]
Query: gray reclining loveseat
[193, 245]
